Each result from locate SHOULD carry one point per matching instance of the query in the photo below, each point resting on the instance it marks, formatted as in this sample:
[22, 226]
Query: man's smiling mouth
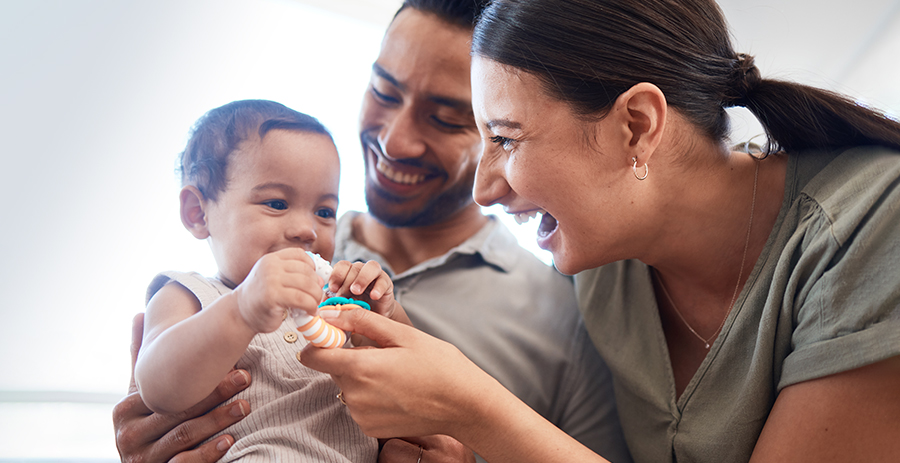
[403, 178]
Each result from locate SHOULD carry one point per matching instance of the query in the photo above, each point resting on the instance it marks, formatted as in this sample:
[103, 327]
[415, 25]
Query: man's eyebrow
[503, 123]
[454, 103]
[381, 72]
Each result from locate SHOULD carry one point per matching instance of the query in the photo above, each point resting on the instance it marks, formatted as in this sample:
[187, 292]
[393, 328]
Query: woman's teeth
[398, 177]
[524, 217]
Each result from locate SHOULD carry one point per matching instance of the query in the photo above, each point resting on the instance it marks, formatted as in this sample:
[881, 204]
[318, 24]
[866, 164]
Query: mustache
[370, 142]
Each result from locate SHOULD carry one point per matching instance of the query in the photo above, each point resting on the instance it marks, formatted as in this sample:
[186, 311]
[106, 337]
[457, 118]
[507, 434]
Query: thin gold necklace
[737, 286]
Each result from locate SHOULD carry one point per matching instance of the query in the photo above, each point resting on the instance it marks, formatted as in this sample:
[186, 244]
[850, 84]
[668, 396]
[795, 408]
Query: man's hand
[144, 436]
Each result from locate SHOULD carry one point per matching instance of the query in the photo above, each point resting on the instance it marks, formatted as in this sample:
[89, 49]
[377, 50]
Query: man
[459, 274]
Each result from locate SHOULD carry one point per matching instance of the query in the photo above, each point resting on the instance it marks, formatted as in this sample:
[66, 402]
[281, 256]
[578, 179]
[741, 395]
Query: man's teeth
[523, 217]
[398, 177]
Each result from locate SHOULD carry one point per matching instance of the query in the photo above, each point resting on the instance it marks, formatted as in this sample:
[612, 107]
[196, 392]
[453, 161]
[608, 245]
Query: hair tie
[745, 78]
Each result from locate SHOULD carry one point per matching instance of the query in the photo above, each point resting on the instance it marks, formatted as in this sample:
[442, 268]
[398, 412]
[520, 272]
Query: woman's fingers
[431, 449]
[380, 329]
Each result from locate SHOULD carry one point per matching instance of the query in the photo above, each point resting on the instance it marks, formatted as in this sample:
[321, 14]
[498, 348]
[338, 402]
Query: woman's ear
[641, 116]
[193, 212]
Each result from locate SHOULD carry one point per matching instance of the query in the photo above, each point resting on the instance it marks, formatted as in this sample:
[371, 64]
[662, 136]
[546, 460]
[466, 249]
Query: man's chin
[394, 212]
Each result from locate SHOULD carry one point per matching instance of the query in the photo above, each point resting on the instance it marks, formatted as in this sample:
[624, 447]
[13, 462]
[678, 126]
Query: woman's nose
[400, 137]
[490, 183]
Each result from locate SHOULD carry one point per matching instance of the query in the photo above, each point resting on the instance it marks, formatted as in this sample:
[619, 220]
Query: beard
[388, 209]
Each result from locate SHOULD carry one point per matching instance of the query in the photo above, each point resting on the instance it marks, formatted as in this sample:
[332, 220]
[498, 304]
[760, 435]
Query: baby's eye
[326, 213]
[277, 204]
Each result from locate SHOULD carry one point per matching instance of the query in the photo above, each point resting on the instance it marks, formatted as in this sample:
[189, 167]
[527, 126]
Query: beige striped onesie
[295, 416]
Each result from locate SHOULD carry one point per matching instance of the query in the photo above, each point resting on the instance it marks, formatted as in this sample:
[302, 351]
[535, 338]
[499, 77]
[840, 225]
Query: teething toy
[315, 330]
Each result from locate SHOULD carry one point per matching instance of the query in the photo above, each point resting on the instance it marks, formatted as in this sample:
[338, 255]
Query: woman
[747, 303]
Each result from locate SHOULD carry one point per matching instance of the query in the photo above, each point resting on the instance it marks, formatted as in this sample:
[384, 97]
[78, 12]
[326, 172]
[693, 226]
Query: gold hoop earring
[634, 169]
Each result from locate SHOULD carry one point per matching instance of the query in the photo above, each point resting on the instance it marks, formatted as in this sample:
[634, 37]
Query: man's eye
[383, 97]
[326, 213]
[446, 125]
[277, 204]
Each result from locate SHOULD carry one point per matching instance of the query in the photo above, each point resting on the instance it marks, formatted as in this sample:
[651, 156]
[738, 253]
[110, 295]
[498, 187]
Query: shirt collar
[492, 243]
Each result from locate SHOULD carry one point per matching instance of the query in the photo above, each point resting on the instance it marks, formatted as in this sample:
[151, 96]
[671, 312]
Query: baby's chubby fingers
[279, 280]
[354, 278]
[371, 276]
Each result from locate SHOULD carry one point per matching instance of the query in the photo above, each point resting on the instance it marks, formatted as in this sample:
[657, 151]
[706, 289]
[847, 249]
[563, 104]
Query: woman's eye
[277, 204]
[502, 141]
[326, 213]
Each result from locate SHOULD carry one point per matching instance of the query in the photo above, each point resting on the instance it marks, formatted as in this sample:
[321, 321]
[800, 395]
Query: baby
[260, 185]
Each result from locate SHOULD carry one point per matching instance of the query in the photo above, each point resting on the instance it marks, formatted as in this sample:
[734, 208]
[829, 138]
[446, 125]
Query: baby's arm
[187, 351]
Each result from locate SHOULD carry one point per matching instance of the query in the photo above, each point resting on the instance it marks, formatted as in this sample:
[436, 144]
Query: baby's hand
[277, 282]
[364, 281]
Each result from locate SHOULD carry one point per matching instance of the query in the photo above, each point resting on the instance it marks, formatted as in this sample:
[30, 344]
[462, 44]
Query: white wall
[97, 98]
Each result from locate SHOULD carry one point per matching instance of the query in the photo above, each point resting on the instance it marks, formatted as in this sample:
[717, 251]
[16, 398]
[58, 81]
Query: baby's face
[282, 192]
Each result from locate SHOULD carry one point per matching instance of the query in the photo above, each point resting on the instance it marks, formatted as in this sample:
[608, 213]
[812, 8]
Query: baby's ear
[193, 213]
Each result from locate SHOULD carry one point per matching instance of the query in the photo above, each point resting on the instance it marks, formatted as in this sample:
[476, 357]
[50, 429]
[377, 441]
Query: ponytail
[797, 117]
[587, 52]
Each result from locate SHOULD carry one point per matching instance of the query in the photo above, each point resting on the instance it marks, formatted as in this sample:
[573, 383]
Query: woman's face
[540, 159]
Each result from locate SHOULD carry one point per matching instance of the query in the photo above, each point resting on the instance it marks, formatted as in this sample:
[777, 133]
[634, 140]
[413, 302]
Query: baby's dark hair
[220, 132]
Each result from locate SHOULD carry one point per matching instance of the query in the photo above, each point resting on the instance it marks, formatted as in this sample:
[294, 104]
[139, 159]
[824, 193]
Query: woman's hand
[430, 449]
[144, 436]
[417, 385]
[413, 385]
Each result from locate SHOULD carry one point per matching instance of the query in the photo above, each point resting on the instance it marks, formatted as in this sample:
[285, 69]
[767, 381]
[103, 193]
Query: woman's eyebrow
[503, 123]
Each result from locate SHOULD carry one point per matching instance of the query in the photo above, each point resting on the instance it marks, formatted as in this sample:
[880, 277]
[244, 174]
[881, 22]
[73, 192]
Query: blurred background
[96, 99]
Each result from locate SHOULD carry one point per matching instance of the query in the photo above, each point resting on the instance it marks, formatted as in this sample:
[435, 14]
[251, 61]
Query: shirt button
[284, 315]
[290, 336]
[298, 355]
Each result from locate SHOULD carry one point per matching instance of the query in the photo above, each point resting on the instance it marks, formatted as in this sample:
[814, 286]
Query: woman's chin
[564, 265]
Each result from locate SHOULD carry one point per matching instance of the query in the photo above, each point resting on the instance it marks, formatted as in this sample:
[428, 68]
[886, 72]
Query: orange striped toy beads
[319, 332]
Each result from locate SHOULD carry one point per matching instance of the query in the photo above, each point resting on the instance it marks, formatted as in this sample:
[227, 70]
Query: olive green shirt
[824, 297]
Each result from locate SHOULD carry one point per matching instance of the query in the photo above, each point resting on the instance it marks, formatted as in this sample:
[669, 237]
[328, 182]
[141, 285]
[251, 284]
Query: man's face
[417, 129]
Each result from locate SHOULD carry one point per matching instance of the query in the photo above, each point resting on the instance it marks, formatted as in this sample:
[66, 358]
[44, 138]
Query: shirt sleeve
[847, 302]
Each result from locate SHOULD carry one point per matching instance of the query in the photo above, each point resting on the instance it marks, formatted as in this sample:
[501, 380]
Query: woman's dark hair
[588, 52]
[219, 133]
[462, 13]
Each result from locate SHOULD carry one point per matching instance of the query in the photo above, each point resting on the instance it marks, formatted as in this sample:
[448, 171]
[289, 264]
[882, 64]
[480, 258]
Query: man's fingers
[137, 336]
[192, 432]
[234, 382]
[207, 453]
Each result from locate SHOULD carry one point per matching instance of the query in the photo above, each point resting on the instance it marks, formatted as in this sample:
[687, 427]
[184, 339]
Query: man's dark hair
[462, 13]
